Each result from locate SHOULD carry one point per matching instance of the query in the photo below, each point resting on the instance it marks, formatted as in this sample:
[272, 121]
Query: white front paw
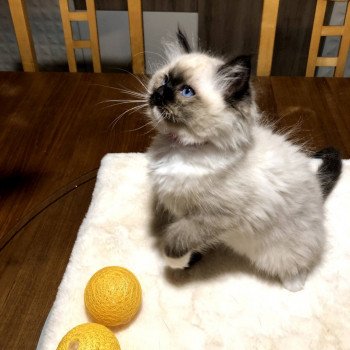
[179, 263]
[294, 283]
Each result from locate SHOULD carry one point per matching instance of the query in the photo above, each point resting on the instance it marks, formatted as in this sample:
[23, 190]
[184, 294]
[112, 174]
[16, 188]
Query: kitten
[222, 177]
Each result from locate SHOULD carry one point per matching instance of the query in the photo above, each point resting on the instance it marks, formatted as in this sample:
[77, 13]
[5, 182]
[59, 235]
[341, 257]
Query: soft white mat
[221, 303]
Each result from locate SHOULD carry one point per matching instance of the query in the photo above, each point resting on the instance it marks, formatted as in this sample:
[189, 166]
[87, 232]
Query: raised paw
[181, 262]
[294, 283]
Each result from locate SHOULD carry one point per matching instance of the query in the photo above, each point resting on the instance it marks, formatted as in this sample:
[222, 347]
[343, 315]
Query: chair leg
[136, 36]
[23, 35]
[344, 45]
[267, 36]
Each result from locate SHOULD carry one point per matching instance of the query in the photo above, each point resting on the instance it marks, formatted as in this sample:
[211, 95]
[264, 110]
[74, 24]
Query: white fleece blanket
[221, 303]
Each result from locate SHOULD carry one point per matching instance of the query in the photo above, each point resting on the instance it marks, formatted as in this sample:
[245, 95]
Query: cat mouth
[168, 116]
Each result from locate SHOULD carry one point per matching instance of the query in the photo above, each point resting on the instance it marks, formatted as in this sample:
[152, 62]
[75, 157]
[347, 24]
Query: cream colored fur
[221, 303]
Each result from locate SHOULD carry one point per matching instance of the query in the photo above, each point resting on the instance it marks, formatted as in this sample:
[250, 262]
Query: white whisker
[125, 91]
[123, 101]
[143, 126]
[135, 76]
[117, 104]
[130, 92]
[132, 110]
[140, 94]
[164, 60]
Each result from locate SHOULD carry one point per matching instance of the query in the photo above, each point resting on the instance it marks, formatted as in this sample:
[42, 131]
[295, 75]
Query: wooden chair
[268, 31]
[23, 35]
[26, 46]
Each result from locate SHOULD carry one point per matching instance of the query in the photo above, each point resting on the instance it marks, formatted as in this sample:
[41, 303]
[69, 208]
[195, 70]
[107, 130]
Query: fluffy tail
[330, 169]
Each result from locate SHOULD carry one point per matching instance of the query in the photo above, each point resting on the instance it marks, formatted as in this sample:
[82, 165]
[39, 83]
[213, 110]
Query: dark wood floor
[53, 134]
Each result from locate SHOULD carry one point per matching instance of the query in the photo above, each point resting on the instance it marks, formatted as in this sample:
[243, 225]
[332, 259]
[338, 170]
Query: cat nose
[157, 98]
[161, 96]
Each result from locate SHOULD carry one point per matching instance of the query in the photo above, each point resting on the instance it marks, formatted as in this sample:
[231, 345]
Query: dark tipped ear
[183, 42]
[236, 75]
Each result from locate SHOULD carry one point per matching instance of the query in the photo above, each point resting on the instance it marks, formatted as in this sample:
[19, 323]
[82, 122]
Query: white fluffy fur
[226, 178]
[221, 303]
[274, 183]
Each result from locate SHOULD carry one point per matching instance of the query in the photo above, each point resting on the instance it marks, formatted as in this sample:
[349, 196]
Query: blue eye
[187, 91]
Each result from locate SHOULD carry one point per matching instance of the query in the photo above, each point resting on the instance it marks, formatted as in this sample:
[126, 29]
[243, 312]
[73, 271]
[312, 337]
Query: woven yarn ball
[89, 336]
[113, 296]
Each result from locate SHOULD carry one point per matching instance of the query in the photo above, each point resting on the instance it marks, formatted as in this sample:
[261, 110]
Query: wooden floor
[53, 134]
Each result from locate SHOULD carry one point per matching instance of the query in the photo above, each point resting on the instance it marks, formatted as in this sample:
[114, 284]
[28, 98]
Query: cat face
[196, 97]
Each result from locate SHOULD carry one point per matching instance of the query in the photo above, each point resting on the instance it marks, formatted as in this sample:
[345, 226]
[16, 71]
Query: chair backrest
[319, 30]
[90, 17]
[267, 38]
[26, 46]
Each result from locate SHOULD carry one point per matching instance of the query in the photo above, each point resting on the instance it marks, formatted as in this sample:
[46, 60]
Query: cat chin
[188, 140]
[175, 134]
[181, 137]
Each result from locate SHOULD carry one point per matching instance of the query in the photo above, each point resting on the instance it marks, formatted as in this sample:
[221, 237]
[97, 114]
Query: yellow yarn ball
[113, 296]
[89, 336]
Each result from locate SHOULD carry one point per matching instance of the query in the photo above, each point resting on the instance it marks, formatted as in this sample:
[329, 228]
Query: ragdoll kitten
[223, 177]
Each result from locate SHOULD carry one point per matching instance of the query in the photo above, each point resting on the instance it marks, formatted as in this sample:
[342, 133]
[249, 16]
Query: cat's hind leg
[282, 262]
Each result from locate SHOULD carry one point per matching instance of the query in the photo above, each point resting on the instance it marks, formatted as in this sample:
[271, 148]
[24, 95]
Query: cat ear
[178, 47]
[234, 76]
[183, 41]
